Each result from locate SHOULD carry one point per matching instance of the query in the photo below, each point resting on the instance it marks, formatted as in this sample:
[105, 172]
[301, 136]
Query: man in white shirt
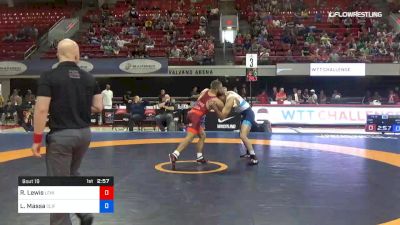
[107, 97]
[107, 100]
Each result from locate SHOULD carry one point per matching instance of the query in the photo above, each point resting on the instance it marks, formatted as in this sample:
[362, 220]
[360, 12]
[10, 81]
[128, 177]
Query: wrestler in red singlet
[197, 112]
[195, 117]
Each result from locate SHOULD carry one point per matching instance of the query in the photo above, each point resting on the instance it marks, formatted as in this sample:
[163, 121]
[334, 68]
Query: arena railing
[30, 51]
[188, 100]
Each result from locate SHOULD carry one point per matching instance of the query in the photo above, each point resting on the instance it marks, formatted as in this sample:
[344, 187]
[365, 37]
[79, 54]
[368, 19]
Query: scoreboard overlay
[65, 194]
[383, 123]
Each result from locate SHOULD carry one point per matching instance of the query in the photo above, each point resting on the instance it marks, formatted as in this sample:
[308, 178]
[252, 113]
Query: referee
[69, 95]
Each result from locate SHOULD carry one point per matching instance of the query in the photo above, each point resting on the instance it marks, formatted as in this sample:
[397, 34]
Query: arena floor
[302, 179]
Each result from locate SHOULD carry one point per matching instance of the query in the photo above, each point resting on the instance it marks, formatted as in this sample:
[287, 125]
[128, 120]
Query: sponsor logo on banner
[283, 69]
[337, 69]
[224, 120]
[140, 66]
[320, 115]
[12, 68]
[355, 14]
[84, 65]
[226, 126]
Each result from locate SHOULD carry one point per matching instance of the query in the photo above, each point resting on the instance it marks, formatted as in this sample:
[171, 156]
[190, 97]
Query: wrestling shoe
[173, 159]
[201, 160]
[246, 155]
[253, 160]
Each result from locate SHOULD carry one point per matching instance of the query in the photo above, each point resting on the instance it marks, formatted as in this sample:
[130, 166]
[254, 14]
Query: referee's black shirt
[71, 90]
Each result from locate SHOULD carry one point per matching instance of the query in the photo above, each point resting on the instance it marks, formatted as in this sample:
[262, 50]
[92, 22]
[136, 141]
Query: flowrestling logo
[355, 14]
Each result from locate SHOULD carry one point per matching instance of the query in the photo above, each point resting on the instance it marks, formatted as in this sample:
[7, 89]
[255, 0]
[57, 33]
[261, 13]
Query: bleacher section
[113, 24]
[315, 21]
[23, 21]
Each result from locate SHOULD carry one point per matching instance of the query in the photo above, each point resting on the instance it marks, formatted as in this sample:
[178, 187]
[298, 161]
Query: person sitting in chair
[9, 112]
[137, 108]
[165, 115]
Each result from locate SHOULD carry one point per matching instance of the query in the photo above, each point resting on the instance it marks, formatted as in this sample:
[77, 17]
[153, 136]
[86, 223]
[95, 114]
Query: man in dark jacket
[137, 108]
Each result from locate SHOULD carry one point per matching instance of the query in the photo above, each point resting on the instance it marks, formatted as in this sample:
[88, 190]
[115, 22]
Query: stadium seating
[13, 20]
[145, 11]
[278, 50]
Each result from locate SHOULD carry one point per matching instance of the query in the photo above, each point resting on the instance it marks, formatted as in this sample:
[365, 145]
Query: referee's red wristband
[37, 138]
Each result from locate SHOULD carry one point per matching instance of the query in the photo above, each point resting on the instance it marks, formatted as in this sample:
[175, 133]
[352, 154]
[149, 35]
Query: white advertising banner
[320, 115]
[337, 69]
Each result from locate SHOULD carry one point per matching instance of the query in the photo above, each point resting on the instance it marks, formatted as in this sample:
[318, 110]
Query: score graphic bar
[65, 195]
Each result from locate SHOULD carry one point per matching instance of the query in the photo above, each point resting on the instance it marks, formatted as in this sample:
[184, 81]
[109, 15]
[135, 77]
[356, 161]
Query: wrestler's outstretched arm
[226, 110]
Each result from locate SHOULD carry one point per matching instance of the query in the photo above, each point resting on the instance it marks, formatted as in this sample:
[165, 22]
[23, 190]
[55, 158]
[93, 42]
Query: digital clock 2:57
[103, 181]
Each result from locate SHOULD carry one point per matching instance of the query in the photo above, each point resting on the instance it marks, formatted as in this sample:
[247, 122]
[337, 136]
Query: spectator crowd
[289, 31]
[169, 114]
[126, 31]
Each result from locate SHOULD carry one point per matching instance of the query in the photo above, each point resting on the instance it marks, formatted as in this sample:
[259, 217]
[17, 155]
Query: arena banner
[337, 69]
[217, 71]
[320, 115]
[231, 123]
[290, 69]
[386, 69]
[109, 67]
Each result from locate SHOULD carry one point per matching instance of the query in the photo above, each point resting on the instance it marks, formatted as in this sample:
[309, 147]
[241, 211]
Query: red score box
[106, 192]
[370, 127]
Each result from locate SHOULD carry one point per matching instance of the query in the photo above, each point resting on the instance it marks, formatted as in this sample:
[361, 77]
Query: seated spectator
[273, 93]
[397, 90]
[133, 13]
[161, 95]
[322, 97]
[367, 98]
[326, 41]
[304, 14]
[348, 22]
[274, 6]
[133, 30]
[194, 94]
[318, 17]
[287, 5]
[8, 38]
[393, 98]
[187, 53]
[247, 44]
[297, 97]
[9, 112]
[239, 41]
[15, 99]
[313, 99]
[165, 115]
[20, 36]
[281, 96]
[127, 97]
[305, 95]
[306, 49]
[376, 97]
[175, 52]
[137, 108]
[262, 98]
[148, 24]
[336, 95]
[334, 57]
[29, 98]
